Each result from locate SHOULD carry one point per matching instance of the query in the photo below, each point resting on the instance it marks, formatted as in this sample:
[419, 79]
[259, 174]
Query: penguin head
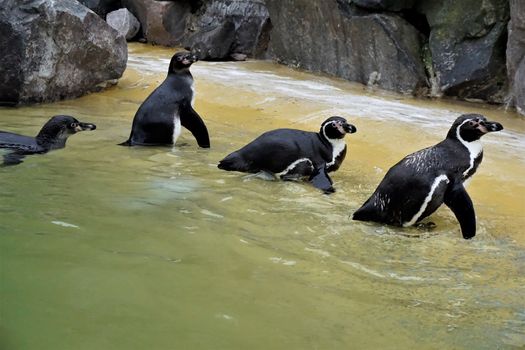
[336, 128]
[470, 127]
[181, 61]
[59, 128]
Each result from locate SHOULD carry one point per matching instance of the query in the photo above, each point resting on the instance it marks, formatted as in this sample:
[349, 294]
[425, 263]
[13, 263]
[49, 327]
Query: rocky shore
[470, 50]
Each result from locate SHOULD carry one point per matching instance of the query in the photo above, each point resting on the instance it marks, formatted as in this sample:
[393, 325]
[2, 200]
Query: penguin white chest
[338, 146]
[192, 87]
[177, 128]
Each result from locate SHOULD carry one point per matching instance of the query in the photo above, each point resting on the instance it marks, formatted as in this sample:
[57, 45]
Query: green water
[107, 247]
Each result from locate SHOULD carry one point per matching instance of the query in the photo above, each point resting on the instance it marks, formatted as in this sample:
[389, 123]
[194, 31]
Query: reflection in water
[109, 247]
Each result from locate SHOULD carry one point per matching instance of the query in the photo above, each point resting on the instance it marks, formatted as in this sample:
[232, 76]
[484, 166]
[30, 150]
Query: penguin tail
[126, 143]
[233, 162]
[365, 213]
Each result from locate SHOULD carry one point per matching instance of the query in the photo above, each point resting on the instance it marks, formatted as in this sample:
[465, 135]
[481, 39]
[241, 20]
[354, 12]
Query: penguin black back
[159, 119]
[53, 135]
[292, 154]
[417, 185]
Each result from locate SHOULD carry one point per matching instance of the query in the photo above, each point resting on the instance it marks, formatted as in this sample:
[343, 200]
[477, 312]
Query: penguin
[159, 119]
[53, 135]
[417, 185]
[291, 154]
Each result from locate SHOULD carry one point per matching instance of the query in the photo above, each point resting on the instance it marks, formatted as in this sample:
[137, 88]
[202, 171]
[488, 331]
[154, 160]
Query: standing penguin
[416, 186]
[159, 119]
[292, 154]
[53, 135]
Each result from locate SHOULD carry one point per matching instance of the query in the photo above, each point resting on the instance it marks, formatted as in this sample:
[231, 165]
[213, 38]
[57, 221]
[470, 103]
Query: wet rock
[101, 7]
[384, 5]
[467, 45]
[222, 27]
[124, 22]
[376, 49]
[162, 22]
[516, 55]
[55, 50]
[217, 28]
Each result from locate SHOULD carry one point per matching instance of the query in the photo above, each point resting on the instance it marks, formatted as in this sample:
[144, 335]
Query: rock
[467, 45]
[516, 55]
[217, 28]
[162, 22]
[377, 49]
[222, 27]
[384, 5]
[54, 50]
[124, 22]
[101, 7]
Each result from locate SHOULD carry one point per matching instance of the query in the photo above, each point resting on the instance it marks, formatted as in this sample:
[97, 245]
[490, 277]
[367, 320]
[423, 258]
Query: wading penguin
[293, 154]
[53, 135]
[158, 120]
[416, 186]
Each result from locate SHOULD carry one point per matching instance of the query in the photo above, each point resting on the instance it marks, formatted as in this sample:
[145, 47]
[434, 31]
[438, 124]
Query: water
[107, 247]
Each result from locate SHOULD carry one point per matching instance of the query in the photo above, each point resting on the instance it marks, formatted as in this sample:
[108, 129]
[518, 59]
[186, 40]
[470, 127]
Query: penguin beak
[349, 128]
[487, 126]
[85, 126]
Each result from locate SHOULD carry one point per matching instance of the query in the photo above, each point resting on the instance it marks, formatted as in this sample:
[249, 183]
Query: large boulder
[516, 55]
[217, 28]
[325, 36]
[384, 5]
[225, 27]
[124, 22]
[467, 45]
[55, 49]
[162, 22]
[101, 7]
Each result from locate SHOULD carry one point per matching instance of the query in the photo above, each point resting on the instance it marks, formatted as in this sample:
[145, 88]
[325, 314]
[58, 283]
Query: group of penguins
[410, 191]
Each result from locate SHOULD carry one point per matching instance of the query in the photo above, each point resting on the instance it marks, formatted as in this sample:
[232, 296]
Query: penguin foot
[426, 226]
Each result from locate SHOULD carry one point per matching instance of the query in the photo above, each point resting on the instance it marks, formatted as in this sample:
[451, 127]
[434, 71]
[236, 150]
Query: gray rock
[55, 50]
[217, 28]
[377, 49]
[516, 55]
[386, 5]
[101, 7]
[124, 22]
[222, 27]
[467, 45]
[162, 22]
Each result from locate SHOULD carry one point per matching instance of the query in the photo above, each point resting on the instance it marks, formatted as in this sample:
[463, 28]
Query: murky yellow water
[107, 247]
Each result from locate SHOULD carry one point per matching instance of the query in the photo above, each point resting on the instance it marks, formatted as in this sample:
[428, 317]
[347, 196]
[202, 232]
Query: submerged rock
[516, 55]
[124, 22]
[467, 45]
[55, 50]
[375, 49]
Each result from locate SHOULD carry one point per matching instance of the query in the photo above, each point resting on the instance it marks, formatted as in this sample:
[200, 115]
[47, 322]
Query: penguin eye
[73, 125]
[472, 123]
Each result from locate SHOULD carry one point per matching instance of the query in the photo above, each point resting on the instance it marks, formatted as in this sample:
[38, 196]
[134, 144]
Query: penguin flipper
[321, 180]
[13, 158]
[458, 200]
[194, 123]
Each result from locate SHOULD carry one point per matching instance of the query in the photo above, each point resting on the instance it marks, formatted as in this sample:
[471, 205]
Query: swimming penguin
[416, 186]
[158, 120]
[293, 154]
[53, 135]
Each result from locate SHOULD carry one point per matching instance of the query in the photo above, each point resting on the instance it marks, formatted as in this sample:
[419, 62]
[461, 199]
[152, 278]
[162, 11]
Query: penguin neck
[180, 73]
[338, 151]
[474, 148]
[51, 139]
